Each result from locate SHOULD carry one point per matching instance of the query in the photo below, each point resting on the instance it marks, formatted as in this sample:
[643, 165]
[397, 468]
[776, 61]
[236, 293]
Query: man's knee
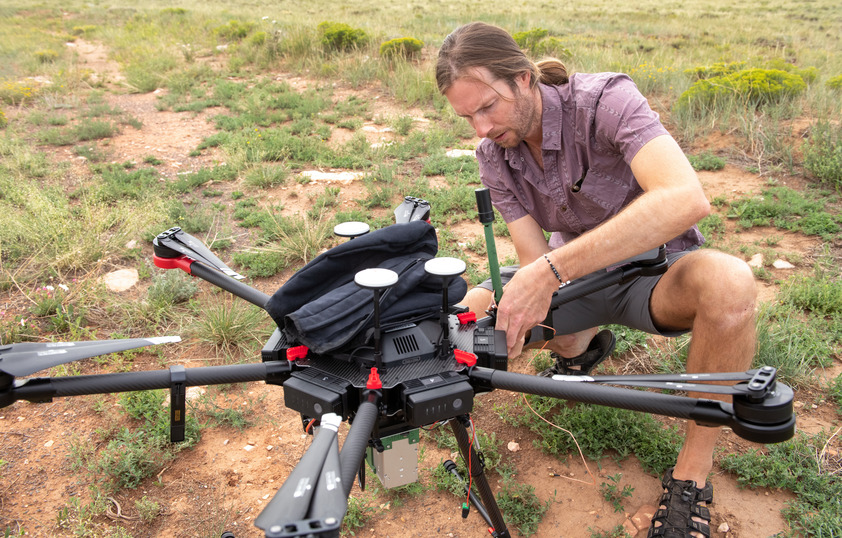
[724, 285]
[705, 284]
[478, 300]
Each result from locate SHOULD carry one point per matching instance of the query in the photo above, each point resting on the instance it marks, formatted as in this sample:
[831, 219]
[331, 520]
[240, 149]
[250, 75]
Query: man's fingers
[515, 351]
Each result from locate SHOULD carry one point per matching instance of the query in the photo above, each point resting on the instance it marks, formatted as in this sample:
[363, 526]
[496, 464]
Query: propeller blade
[27, 358]
[330, 501]
[292, 502]
[659, 378]
[177, 240]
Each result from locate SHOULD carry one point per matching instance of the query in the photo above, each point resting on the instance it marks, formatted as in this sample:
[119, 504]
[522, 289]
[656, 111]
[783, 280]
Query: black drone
[389, 371]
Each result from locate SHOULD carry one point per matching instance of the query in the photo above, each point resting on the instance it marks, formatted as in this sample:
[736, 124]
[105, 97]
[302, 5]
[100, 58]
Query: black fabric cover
[321, 307]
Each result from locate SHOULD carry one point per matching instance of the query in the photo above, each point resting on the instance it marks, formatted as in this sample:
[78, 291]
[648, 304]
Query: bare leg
[714, 294]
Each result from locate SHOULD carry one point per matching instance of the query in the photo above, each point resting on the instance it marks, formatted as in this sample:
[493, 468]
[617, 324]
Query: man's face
[493, 109]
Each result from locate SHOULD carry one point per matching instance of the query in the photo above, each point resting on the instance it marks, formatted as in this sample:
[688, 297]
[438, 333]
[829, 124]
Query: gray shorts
[621, 304]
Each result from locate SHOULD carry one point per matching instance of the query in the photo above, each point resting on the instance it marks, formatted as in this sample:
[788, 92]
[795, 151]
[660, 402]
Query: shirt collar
[550, 123]
[550, 117]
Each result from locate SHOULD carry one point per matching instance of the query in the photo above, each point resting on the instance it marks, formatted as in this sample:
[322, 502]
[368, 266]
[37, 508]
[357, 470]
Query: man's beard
[524, 118]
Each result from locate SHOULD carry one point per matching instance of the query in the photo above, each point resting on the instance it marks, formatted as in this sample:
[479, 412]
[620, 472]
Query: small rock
[373, 129]
[756, 260]
[643, 517]
[513, 446]
[629, 527]
[724, 528]
[782, 264]
[193, 392]
[454, 153]
[121, 280]
[48, 444]
[248, 448]
[341, 177]
[225, 442]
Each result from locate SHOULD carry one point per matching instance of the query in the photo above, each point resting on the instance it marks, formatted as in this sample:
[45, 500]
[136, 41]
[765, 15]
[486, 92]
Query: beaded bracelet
[557, 275]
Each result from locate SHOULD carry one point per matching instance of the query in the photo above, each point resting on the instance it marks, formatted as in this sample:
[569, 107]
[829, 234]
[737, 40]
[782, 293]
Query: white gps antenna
[351, 229]
[376, 280]
[446, 269]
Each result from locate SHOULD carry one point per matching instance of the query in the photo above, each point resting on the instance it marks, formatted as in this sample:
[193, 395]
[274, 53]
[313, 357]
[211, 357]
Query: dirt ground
[230, 475]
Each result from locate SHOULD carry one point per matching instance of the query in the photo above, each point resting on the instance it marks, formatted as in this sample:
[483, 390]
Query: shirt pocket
[599, 197]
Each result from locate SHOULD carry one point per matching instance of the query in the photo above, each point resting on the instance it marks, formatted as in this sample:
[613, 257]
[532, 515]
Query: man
[586, 158]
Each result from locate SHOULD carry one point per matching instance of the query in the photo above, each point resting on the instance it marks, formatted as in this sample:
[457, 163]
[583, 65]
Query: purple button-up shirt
[593, 128]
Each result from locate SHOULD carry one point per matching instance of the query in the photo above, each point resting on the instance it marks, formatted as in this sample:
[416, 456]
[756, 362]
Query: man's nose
[482, 126]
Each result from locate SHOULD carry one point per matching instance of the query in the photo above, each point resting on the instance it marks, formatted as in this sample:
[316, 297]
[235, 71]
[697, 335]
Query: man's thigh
[625, 304]
[705, 280]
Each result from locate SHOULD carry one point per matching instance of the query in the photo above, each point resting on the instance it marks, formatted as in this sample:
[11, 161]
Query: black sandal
[598, 350]
[683, 501]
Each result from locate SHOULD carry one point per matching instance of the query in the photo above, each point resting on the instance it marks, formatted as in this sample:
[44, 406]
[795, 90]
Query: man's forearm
[652, 220]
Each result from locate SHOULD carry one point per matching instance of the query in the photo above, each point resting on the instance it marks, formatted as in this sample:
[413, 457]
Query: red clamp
[463, 357]
[182, 262]
[466, 317]
[373, 382]
[297, 352]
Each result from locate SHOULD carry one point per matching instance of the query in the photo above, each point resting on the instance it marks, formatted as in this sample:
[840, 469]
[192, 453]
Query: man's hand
[525, 303]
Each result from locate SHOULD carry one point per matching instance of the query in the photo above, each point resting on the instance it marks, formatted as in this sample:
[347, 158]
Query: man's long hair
[478, 44]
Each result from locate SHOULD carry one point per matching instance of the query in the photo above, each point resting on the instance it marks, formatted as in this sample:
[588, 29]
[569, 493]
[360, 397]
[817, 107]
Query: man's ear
[523, 80]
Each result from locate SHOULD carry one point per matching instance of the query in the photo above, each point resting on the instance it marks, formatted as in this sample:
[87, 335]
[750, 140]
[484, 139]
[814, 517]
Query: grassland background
[57, 230]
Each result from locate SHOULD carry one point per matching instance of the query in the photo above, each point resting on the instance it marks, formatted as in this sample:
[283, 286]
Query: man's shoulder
[585, 88]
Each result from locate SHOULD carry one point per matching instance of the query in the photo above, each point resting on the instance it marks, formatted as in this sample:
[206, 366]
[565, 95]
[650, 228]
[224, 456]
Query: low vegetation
[73, 209]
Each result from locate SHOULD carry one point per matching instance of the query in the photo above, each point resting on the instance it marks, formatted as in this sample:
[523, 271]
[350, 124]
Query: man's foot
[682, 512]
[598, 350]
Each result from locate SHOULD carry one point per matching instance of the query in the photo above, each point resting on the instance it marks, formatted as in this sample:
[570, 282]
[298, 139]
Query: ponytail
[552, 72]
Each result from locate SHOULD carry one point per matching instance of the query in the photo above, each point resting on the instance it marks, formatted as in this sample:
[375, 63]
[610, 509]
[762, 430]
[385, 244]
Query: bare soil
[230, 475]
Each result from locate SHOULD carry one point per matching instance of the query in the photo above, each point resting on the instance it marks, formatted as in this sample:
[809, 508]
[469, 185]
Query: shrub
[46, 56]
[266, 176]
[529, 38]
[260, 264]
[83, 30]
[809, 74]
[823, 153]
[552, 46]
[234, 30]
[401, 47]
[339, 36]
[716, 70]
[522, 507]
[753, 86]
[170, 288]
[15, 93]
[259, 38]
[834, 83]
[3, 120]
[706, 161]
